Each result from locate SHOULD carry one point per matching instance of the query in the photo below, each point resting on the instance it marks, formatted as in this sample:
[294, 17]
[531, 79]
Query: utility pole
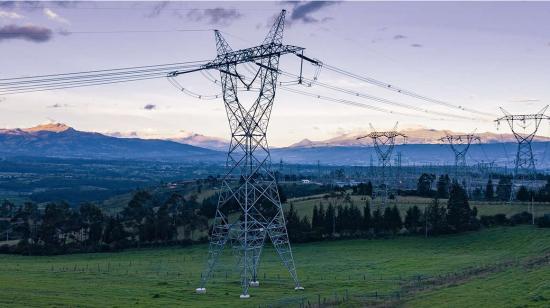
[319, 170]
[249, 182]
[384, 143]
[460, 144]
[524, 127]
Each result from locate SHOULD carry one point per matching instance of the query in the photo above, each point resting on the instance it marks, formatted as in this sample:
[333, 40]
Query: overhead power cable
[397, 89]
[178, 86]
[90, 78]
[348, 102]
[377, 99]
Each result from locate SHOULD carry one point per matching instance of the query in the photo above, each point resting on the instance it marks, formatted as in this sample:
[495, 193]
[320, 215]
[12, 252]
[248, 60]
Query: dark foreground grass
[167, 277]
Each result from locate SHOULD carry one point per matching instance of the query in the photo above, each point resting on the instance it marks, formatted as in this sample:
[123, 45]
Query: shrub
[544, 221]
[521, 218]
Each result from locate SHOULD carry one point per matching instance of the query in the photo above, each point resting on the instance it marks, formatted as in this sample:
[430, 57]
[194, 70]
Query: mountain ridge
[60, 140]
[414, 136]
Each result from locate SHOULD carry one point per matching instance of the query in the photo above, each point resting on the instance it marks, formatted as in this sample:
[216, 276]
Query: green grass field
[167, 277]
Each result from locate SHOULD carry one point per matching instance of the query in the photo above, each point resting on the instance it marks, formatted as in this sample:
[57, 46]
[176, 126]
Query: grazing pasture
[506, 266]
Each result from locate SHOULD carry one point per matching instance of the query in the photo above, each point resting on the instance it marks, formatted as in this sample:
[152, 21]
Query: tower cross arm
[523, 117]
[390, 134]
[463, 138]
[243, 56]
[251, 54]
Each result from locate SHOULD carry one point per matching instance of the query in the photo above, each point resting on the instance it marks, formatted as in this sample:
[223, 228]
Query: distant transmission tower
[460, 144]
[529, 125]
[249, 185]
[384, 143]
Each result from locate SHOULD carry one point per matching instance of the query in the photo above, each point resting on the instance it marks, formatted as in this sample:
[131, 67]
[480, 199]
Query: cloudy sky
[477, 55]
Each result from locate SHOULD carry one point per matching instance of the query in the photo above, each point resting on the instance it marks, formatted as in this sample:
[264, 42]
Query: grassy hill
[495, 267]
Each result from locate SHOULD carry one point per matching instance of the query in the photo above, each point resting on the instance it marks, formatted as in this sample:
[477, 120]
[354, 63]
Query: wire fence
[406, 287]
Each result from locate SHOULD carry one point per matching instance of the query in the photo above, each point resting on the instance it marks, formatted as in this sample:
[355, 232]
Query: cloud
[399, 37]
[131, 134]
[30, 33]
[415, 45]
[58, 106]
[54, 16]
[150, 107]
[215, 16]
[525, 100]
[31, 6]
[28, 6]
[302, 10]
[157, 9]
[2, 99]
[9, 15]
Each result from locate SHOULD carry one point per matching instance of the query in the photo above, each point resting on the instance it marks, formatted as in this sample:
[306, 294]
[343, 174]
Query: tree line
[146, 220]
[348, 220]
[150, 219]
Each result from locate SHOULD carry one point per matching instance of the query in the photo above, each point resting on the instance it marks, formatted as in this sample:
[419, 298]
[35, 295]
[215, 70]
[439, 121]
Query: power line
[106, 70]
[129, 31]
[345, 102]
[377, 99]
[394, 88]
[90, 78]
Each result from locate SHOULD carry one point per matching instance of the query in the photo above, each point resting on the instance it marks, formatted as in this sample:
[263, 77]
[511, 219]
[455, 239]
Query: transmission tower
[384, 143]
[249, 184]
[524, 127]
[460, 144]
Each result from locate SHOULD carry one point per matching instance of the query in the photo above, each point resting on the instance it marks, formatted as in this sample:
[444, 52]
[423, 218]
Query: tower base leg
[200, 290]
[245, 296]
[254, 284]
[299, 288]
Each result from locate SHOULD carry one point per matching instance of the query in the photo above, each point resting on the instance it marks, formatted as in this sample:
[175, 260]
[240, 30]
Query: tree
[330, 220]
[367, 217]
[164, 228]
[524, 194]
[7, 209]
[435, 219]
[504, 188]
[368, 190]
[459, 213]
[412, 219]
[424, 185]
[92, 220]
[114, 233]
[355, 218]
[292, 223]
[54, 223]
[489, 191]
[443, 186]
[392, 219]
[377, 221]
[315, 217]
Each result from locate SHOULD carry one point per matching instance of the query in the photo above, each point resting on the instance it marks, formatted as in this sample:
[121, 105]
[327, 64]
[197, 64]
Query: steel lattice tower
[384, 143]
[460, 144]
[525, 161]
[249, 185]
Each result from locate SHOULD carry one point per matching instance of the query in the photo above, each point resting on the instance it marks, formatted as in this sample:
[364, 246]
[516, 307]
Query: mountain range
[423, 147]
[414, 136]
[59, 140]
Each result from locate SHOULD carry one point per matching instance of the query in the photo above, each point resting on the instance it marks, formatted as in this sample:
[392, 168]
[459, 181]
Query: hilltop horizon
[416, 135]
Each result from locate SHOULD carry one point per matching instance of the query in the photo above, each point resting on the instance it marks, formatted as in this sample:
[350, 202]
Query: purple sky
[479, 55]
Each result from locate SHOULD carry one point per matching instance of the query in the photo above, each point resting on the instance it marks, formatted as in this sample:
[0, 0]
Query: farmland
[496, 267]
